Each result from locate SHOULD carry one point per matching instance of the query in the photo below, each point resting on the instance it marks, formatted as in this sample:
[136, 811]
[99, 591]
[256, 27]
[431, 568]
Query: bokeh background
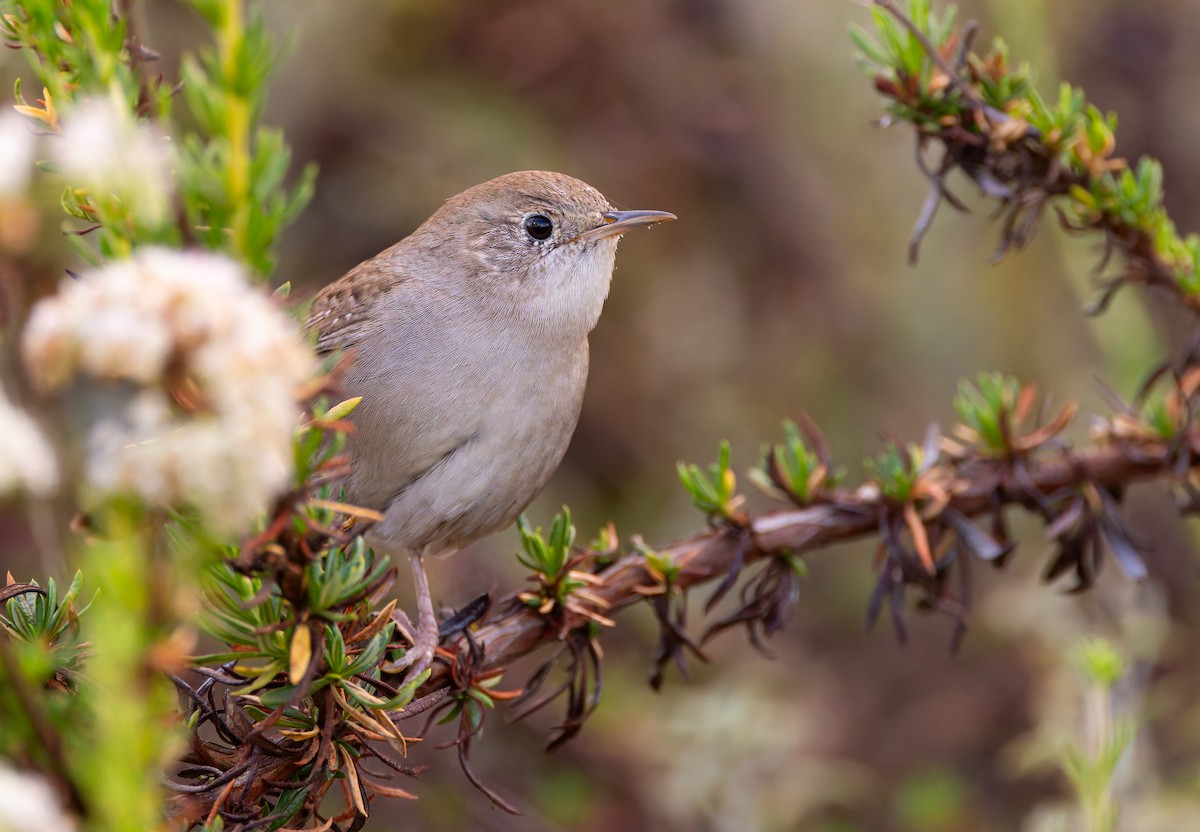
[783, 288]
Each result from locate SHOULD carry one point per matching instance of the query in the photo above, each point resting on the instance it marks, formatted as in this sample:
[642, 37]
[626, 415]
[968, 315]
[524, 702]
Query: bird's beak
[617, 223]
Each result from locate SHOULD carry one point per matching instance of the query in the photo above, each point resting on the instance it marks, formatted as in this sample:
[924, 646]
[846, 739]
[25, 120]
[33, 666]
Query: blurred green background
[783, 288]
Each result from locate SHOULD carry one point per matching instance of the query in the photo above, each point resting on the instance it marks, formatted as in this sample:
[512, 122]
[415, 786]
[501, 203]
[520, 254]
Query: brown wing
[340, 312]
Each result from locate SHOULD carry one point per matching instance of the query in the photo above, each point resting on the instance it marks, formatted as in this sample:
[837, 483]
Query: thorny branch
[985, 116]
[706, 557]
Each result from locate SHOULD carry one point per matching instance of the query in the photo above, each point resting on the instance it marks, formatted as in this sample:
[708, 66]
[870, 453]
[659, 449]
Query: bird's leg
[425, 640]
[427, 623]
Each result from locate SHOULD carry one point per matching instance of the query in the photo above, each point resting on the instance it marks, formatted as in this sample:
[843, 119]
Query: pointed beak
[617, 223]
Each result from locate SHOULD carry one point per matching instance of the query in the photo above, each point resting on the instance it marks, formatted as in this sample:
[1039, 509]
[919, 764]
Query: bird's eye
[539, 226]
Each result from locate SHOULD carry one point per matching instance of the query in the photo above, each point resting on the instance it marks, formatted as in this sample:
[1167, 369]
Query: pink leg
[420, 655]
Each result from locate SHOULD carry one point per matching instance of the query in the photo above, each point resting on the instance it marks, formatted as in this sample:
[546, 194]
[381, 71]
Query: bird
[469, 344]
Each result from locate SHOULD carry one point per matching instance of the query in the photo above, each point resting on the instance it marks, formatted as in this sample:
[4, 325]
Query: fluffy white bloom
[17, 147]
[104, 150]
[29, 804]
[26, 459]
[207, 369]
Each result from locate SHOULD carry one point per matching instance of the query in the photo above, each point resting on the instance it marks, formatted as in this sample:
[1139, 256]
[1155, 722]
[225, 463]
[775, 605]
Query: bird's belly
[464, 459]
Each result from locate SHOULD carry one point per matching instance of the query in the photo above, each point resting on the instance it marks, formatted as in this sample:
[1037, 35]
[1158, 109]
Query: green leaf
[288, 805]
[867, 45]
[547, 556]
[712, 492]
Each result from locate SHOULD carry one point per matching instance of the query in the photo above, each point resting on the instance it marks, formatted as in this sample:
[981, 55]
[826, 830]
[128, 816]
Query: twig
[709, 556]
[139, 57]
[951, 73]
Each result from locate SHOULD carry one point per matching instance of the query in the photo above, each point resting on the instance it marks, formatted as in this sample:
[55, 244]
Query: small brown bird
[471, 355]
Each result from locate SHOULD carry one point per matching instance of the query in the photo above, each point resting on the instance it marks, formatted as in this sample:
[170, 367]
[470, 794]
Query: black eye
[539, 227]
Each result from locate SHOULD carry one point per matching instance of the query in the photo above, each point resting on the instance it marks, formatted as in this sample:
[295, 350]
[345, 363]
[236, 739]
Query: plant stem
[1098, 810]
[118, 762]
[230, 41]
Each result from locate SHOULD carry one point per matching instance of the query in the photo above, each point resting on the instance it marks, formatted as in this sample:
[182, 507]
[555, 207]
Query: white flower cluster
[29, 804]
[105, 151]
[17, 147]
[26, 458]
[170, 328]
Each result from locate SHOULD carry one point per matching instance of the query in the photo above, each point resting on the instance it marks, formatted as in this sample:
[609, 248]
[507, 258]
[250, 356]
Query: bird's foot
[425, 640]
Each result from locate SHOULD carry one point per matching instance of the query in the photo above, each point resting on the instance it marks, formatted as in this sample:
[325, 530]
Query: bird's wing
[339, 313]
[402, 354]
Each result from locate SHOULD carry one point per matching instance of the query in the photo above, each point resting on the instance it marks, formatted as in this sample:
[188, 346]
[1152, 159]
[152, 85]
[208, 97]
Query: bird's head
[539, 244]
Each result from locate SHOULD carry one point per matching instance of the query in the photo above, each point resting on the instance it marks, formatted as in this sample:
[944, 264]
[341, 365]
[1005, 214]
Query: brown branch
[518, 630]
[1024, 172]
[139, 58]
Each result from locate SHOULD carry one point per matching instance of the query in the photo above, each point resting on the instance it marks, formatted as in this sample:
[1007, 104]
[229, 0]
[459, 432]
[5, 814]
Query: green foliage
[1000, 85]
[1061, 122]
[933, 801]
[117, 759]
[713, 492]
[1099, 661]
[984, 407]
[795, 467]
[337, 579]
[989, 99]
[659, 563]
[1163, 415]
[272, 642]
[233, 179]
[897, 470]
[896, 48]
[40, 630]
[236, 613]
[1091, 766]
[317, 445]
[261, 627]
[79, 50]
[83, 41]
[560, 574]
[230, 174]
[47, 620]
[899, 55]
[547, 555]
[227, 177]
[551, 559]
[472, 701]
